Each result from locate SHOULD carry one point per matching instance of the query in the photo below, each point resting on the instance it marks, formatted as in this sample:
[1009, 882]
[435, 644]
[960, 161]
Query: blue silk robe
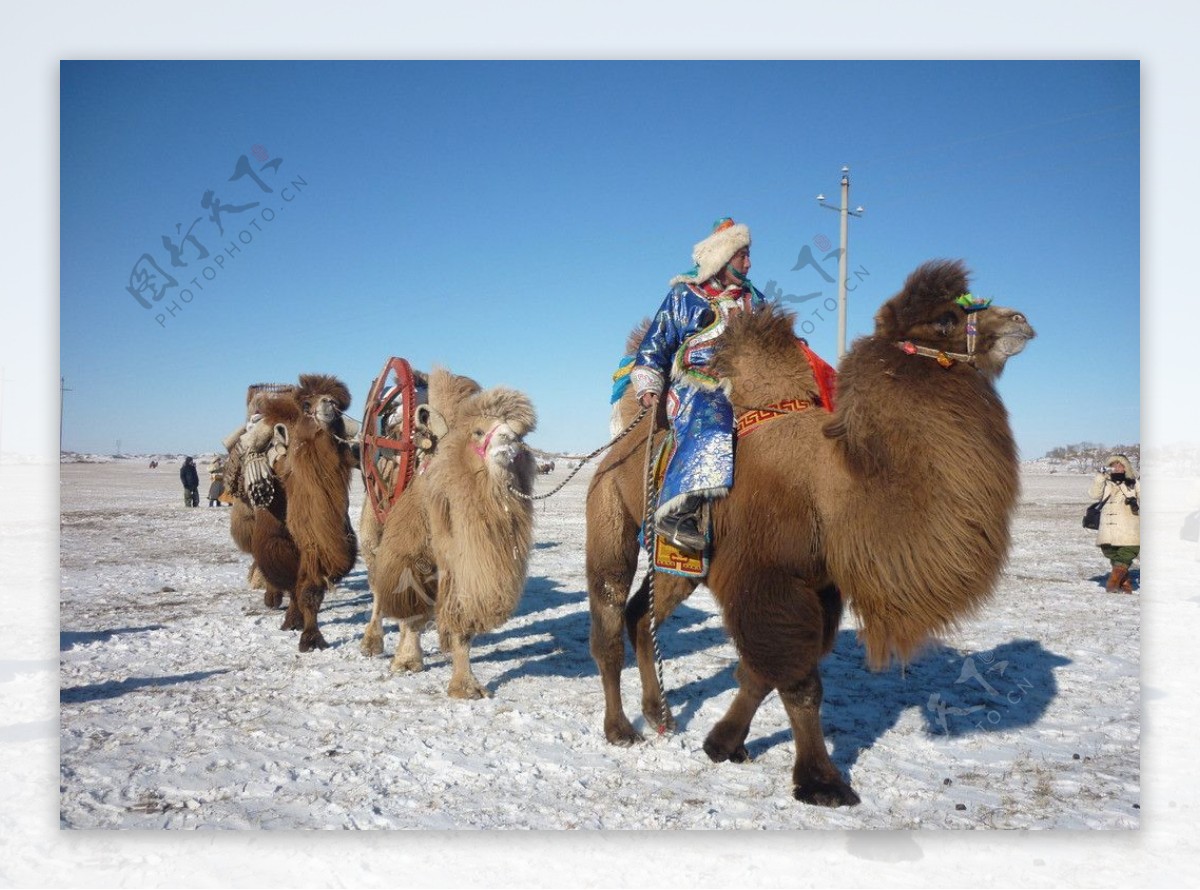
[677, 348]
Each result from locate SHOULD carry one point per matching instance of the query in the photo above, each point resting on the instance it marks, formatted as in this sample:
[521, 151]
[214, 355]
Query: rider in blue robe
[674, 356]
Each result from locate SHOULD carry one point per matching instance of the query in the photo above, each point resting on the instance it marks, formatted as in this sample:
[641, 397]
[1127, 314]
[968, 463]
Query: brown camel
[302, 540]
[323, 396]
[900, 500]
[455, 546]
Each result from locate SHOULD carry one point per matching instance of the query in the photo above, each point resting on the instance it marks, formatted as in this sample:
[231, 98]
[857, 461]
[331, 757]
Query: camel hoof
[312, 640]
[467, 691]
[415, 666]
[719, 747]
[371, 646]
[654, 717]
[292, 621]
[623, 734]
[272, 599]
[826, 794]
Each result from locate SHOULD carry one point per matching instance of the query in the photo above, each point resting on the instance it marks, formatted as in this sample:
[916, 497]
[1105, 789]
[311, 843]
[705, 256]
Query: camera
[1132, 503]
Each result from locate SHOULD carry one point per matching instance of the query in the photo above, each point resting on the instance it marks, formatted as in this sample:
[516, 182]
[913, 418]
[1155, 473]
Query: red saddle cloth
[825, 373]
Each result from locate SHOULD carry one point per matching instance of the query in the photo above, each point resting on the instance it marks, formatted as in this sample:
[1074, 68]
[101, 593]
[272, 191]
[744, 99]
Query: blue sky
[513, 220]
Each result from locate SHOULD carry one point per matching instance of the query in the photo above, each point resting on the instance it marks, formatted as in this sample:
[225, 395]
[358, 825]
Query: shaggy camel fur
[455, 546]
[900, 501]
[323, 396]
[302, 541]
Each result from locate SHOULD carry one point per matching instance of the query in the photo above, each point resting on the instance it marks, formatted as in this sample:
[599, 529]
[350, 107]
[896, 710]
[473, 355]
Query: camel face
[498, 421]
[324, 409]
[1013, 331]
[498, 447]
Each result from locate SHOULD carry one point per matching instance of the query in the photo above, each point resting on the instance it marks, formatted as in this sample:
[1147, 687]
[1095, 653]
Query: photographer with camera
[1119, 536]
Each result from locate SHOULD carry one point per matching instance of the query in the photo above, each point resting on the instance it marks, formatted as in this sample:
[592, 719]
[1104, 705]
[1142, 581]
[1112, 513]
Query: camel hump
[280, 407]
[930, 284]
[448, 391]
[634, 341]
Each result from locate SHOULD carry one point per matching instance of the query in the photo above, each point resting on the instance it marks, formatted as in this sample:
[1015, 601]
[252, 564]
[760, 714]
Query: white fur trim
[714, 252]
[709, 494]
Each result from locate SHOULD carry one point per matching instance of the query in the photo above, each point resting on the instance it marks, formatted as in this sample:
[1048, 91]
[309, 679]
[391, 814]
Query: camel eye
[478, 434]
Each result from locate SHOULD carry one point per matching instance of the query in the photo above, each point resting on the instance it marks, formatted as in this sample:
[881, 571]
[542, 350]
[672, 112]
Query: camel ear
[281, 434]
[886, 323]
[432, 420]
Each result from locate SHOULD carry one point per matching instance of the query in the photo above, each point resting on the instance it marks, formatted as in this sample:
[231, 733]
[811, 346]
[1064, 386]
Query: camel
[899, 500]
[455, 546]
[302, 541]
[323, 396]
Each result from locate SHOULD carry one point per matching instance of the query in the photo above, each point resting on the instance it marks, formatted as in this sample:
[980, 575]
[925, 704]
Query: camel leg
[372, 641]
[310, 603]
[802, 624]
[608, 651]
[462, 681]
[293, 618]
[408, 655]
[669, 592]
[272, 595]
[611, 563]
[815, 779]
[727, 740]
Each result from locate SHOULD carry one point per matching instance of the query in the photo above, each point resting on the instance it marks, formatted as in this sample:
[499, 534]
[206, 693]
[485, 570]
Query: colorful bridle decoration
[971, 303]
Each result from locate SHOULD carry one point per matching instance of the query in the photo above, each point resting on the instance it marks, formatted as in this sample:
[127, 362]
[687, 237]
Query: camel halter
[970, 304]
[482, 448]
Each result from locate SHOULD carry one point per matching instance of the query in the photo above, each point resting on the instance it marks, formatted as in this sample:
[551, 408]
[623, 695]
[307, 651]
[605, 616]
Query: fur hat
[1130, 470]
[711, 254]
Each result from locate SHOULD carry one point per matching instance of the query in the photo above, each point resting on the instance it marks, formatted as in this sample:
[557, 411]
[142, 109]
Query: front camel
[903, 509]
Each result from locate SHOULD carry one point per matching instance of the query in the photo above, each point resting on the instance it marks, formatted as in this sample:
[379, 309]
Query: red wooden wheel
[393, 388]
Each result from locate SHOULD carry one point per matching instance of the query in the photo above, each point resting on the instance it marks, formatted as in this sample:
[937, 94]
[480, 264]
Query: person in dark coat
[191, 483]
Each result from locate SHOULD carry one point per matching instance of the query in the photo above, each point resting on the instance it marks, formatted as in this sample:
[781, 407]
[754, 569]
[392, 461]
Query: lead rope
[582, 463]
[648, 537]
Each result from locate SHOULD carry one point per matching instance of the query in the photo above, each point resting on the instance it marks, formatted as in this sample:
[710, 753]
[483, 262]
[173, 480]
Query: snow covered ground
[184, 706]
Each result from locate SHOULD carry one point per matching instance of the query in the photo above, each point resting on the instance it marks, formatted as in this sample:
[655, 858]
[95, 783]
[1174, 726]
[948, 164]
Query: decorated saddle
[674, 455]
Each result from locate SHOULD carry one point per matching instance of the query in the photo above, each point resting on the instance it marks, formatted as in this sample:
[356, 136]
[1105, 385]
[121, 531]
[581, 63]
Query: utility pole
[843, 249]
[62, 388]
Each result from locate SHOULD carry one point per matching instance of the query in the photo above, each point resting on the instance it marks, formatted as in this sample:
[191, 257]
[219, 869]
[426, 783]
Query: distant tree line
[1089, 456]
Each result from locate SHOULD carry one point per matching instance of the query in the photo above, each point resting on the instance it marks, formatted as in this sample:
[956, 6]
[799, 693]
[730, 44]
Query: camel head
[493, 425]
[280, 412]
[934, 313]
[324, 397]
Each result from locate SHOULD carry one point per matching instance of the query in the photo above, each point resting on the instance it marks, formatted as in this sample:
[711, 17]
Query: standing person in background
[191, 483]
[1119, 535]
[216, 483]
